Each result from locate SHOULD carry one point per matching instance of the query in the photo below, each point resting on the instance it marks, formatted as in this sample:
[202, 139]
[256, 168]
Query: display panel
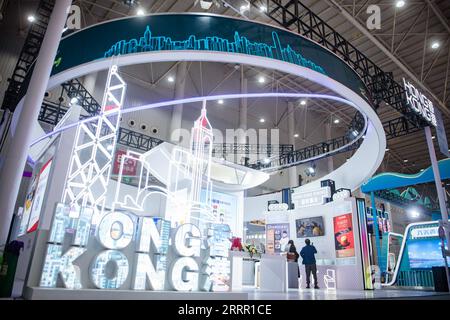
[310, 227]
[343, 236]
[277, 237]
[39, 196]
[27, 207]
[424, 254]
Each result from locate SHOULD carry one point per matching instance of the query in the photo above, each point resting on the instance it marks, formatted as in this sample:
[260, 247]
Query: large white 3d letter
[116, 230]
[188, 240]
[106, 276]
[57, 263]
[145, 270]
[184, 275]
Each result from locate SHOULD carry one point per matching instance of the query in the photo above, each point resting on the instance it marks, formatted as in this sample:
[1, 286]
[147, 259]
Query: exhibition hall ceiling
[408, 33]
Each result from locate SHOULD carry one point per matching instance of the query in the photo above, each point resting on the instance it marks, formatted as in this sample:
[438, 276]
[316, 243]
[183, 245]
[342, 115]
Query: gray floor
[323, 294]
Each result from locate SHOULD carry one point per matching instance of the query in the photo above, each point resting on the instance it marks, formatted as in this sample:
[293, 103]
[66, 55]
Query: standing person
[309, 261]
[293, 249]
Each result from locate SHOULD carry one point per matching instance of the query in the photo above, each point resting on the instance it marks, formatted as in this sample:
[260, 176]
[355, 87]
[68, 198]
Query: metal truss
[239, 148]
[51, 113]
[18, 83]
[75, 89]
[381, 85]
[137, 140]
[322, 149]
[398, 127]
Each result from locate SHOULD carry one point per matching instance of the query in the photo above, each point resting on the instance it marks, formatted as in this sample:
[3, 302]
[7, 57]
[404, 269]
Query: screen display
[309, 227]
[424, 254]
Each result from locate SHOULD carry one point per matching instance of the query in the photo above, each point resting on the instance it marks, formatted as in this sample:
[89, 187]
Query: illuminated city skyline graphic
[241, 44]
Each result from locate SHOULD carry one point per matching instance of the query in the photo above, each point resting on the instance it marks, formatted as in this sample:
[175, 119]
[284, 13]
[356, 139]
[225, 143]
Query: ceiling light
[435, 45]
[336, 121]
[400, 4]
[296, 135]
[263, 8]
[355, 133]
[413, 213]
[303, 102]
[205, 5]
[74, 100]
[140, 12]
[244, 8]
[311, 170]
[261, 79]
[433, 137]
[405, 160]
[267, 160]
[171, 79]
[262, 120]
[109, 147]
[387, 149]
[220, 101]
[31, 18]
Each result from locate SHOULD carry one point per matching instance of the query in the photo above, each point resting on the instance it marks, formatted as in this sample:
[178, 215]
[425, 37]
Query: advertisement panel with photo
[343, 236]
[277, 237]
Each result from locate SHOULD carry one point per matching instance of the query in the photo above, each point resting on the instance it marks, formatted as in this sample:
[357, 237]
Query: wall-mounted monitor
[309, 227]
[425, 253]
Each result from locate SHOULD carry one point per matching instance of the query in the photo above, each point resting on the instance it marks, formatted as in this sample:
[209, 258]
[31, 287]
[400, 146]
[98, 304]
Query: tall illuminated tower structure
[93, 152]
[201, 151]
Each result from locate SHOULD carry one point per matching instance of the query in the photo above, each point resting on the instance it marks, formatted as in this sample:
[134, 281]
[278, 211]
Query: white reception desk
[272, 271]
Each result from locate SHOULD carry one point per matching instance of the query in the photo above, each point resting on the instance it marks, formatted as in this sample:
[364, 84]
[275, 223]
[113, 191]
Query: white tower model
[189, 176]
[93, 152]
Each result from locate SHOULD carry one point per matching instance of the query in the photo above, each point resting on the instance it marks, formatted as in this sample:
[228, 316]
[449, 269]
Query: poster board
[277, 237]
[39, 194]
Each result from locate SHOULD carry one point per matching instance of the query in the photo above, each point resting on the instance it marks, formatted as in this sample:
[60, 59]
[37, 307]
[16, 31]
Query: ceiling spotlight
[263, 8]
[435, 45]
[355, 133]
[244, 8]
[400, 4]
[296, 135]
[267, 160]
[433, 137]
[336, 121]
[422, 170]
[387, 149]
[206, 4]
[261, 79]
[140, 12]
[31, 18]
[171, 79]
[405, 160]
[220, 101]
[413, 213]
[262, 120]
[303, 102]
[74, 100]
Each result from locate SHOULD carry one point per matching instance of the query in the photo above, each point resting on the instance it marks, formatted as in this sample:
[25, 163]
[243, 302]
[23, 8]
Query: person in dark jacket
[293, 249]
[309, 260]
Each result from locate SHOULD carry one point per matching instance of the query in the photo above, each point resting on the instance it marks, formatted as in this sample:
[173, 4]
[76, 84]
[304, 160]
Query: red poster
[343, 236]
[129, 165]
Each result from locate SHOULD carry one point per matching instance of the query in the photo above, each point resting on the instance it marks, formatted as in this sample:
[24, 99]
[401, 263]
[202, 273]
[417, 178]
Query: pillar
[242, 137]
[177, 112]
[12, 170]
[293, 179]
[330, 162]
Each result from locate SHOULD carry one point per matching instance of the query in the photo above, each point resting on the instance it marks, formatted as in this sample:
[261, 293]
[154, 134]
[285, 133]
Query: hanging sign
[418, 102]
[311, 198]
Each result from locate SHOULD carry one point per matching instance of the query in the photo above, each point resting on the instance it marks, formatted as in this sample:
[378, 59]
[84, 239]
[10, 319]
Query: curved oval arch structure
[209, 38]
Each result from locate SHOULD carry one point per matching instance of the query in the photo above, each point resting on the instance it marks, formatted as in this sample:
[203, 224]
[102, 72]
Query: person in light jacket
[309, 260]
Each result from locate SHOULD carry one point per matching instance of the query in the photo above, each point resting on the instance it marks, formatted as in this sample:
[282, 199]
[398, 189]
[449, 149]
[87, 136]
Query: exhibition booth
[181, 227]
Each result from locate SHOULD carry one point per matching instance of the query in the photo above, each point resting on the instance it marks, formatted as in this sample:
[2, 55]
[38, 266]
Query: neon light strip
[212, 98]
[241, 44]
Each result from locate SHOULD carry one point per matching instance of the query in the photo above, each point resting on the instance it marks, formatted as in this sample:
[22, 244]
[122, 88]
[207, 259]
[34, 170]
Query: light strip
[213, 98]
